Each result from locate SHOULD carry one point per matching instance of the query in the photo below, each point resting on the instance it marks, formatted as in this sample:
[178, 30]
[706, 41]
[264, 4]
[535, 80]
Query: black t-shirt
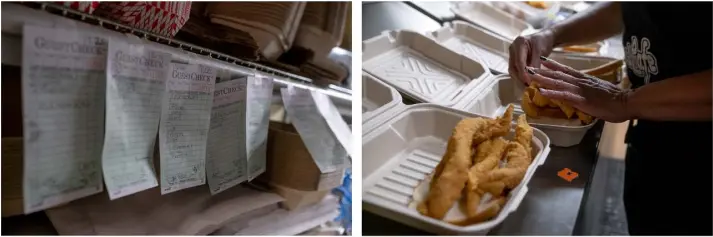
[668, 162]
[664, 40]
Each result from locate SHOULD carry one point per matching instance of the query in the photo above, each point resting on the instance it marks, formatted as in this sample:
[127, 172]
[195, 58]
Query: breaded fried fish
[519, 157]
[451, 173]
[488, 155]
[537, 98]
[492, 209]
[523, 133]
[528, 106]
[494, 128]
[518, 160]
[584, 118]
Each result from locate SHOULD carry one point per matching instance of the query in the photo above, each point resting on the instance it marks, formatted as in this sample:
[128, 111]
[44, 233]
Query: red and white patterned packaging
[163, 18]
[86, 7]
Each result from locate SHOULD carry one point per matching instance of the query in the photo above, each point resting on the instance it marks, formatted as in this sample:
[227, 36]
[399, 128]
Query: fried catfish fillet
[451, 173]
[494, 128]
[518, 160]
[523, 133]
[528, 106]
[488, 155]
[492, 209]
[537, 98]
[567, 109]
[584, 118]
[519, 156]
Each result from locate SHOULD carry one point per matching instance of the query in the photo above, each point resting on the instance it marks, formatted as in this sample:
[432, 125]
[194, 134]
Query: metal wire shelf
[288, 78]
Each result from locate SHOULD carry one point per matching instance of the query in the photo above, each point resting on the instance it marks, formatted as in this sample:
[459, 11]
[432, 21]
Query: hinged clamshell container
[421, 68]
[502, 91]
[491, 18]
[401, 151]
[475, 43]
[377, 97]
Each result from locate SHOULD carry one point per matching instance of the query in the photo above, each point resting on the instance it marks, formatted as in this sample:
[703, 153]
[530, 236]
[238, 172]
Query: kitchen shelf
[15, 15]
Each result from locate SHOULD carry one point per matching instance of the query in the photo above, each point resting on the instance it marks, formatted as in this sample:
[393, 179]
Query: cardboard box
[296, 199]
[289, 163]
[12, 168]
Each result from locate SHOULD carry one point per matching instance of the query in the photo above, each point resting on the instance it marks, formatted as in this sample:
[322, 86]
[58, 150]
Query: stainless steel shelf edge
[14, 16]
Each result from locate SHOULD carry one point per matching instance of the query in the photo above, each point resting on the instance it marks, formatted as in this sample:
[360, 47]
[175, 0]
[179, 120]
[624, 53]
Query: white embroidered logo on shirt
[639, 59]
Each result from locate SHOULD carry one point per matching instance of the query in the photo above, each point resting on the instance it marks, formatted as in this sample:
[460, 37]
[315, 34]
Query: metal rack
[279, 76]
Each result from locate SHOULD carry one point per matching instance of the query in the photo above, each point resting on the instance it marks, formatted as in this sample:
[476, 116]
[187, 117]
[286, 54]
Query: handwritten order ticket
[316, 134]
[63, 109]
[185, 120]
[136, 80]
[226, 161]
[259, 97]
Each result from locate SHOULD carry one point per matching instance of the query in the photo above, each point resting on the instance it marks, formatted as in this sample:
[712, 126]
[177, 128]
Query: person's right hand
[526, 51]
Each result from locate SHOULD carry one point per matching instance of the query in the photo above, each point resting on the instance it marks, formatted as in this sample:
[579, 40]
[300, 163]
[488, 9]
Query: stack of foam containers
[273, 25]
[322, 27]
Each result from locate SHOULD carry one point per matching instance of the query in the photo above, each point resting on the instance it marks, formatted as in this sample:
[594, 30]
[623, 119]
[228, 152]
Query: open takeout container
[420, 68]
[584, 62]
[404, 148]
[492, 50]
[377, 97]
[491, 18]
[475, 43]
[501, 91]
[602, 47]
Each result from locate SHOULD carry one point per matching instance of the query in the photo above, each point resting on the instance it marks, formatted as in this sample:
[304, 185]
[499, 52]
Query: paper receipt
[316, 134]
[226, 160]
[136, 80]
[185, 118]
[63, 75]
[259, 99]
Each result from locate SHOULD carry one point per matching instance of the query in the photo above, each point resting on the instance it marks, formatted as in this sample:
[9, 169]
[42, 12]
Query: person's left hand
[591, 95]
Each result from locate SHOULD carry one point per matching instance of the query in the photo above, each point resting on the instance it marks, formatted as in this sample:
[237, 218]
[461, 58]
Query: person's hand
[591, 95]
[526, 51]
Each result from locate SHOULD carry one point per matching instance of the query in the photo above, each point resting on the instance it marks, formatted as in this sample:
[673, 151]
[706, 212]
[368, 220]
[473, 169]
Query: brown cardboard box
[296, 199]
[289, 163]
[12, 168]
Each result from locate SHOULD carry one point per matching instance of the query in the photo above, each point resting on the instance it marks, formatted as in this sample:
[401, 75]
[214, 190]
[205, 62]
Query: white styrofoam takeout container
[602, 46]
[377, 97]
[491, 18]
[476, 43]
[421, 68]
[502, 91]
[401, 151]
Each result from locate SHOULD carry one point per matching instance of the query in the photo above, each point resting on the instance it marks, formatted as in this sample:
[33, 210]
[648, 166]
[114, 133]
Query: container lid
[491, 18]
[420, 67]
[475, 43]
